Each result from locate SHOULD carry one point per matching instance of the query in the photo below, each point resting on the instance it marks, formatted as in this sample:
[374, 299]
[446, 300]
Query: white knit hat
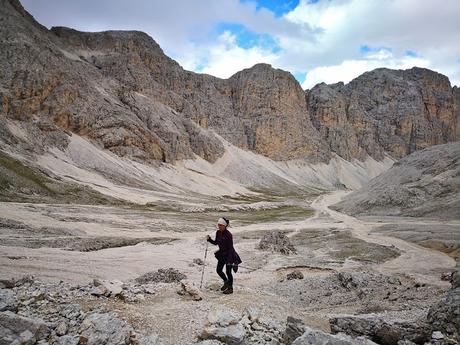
[222, 221]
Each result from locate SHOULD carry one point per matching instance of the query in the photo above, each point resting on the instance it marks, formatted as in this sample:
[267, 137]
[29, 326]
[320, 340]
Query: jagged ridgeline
[120, 90]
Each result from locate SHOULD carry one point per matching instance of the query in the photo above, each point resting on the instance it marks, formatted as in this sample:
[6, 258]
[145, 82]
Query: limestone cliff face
[385, 110]
[271, 105]
[349, 138]
[261, 109]
[119, 89]
[456, 92]
[46, 82]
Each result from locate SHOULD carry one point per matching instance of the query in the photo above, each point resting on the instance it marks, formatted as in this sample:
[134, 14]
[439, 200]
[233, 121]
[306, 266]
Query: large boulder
[8, 300]
[276, 241]
[68, 340]
[445, 315]
[316, 337]
[294, 329]
[232, 334]
[105, 328]
[189, 289]
[20, 330]
[455, 279]
[381, 331]
[250, 327]
[224, 326]
[163, 275]
[107, 288]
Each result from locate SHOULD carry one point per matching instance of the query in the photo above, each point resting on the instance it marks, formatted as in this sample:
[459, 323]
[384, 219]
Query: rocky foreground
[35, 312]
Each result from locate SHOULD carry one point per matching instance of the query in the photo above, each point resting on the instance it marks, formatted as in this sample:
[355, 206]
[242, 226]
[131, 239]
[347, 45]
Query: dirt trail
[421, 263]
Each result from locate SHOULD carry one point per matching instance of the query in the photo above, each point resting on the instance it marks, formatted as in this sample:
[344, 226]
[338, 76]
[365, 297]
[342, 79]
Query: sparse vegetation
[341, 245]
[15, 168]
[20, 182]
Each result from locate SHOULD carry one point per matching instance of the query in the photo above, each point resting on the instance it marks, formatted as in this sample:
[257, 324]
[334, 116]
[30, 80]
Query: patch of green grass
[16, 176]
[257, 234]
[4, 182]
[341, 245]
[283, 213]
[298, 193]
[245, 217]
[15, 167]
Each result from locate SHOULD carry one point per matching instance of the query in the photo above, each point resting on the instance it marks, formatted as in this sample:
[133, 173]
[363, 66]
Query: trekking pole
[246, 267]
[204, 264]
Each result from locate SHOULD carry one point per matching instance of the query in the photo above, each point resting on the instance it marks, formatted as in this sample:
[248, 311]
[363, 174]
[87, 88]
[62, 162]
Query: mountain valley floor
[342, 265]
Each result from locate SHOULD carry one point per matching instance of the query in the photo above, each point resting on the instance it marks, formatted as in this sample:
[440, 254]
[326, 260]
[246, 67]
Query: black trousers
[228, 269]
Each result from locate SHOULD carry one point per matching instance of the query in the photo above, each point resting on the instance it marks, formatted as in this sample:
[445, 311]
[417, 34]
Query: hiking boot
[229, 290]
[224, 287]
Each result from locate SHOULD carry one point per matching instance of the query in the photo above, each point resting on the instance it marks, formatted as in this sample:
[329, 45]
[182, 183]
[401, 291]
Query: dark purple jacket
[226, 252]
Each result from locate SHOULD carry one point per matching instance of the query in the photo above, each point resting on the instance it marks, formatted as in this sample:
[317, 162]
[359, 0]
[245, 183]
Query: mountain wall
[119, 89]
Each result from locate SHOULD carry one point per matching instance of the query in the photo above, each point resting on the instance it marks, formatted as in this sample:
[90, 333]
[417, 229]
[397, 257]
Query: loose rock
[294, 329]
[188, 288]
[8, 300]
[276, 241]
[163, 275]
[16, 329]
[381, 331]
[294, 275]
[315, 337]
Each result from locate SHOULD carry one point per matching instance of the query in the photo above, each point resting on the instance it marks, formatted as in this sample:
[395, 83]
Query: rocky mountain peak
[108, 41]
[397, 111]
[120, 89]
[15, 8]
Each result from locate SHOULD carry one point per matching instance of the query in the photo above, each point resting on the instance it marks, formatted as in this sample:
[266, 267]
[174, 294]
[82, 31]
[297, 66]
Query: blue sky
[316, 40]
[276, 6]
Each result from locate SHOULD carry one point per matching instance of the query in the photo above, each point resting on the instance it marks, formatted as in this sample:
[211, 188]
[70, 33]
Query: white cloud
[225, 58]
[176, 25]
[427, 27]
[350, 69]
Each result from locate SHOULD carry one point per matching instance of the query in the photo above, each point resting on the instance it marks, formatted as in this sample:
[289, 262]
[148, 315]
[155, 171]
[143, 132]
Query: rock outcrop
[120, 90]
[381, 331]
[225, 326]
[317, 337]
[34, 312]
[162, 275]
[188, 288]
[385, 110]
[17, 329]
[440, 326]
[276, 241]
[49, 82]
[456, 92]
[444, 316]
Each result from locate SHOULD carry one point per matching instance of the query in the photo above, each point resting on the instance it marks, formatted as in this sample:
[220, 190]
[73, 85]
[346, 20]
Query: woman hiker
[226, 255]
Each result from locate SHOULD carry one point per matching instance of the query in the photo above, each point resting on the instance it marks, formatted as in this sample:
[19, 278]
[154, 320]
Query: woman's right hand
[208, 238]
